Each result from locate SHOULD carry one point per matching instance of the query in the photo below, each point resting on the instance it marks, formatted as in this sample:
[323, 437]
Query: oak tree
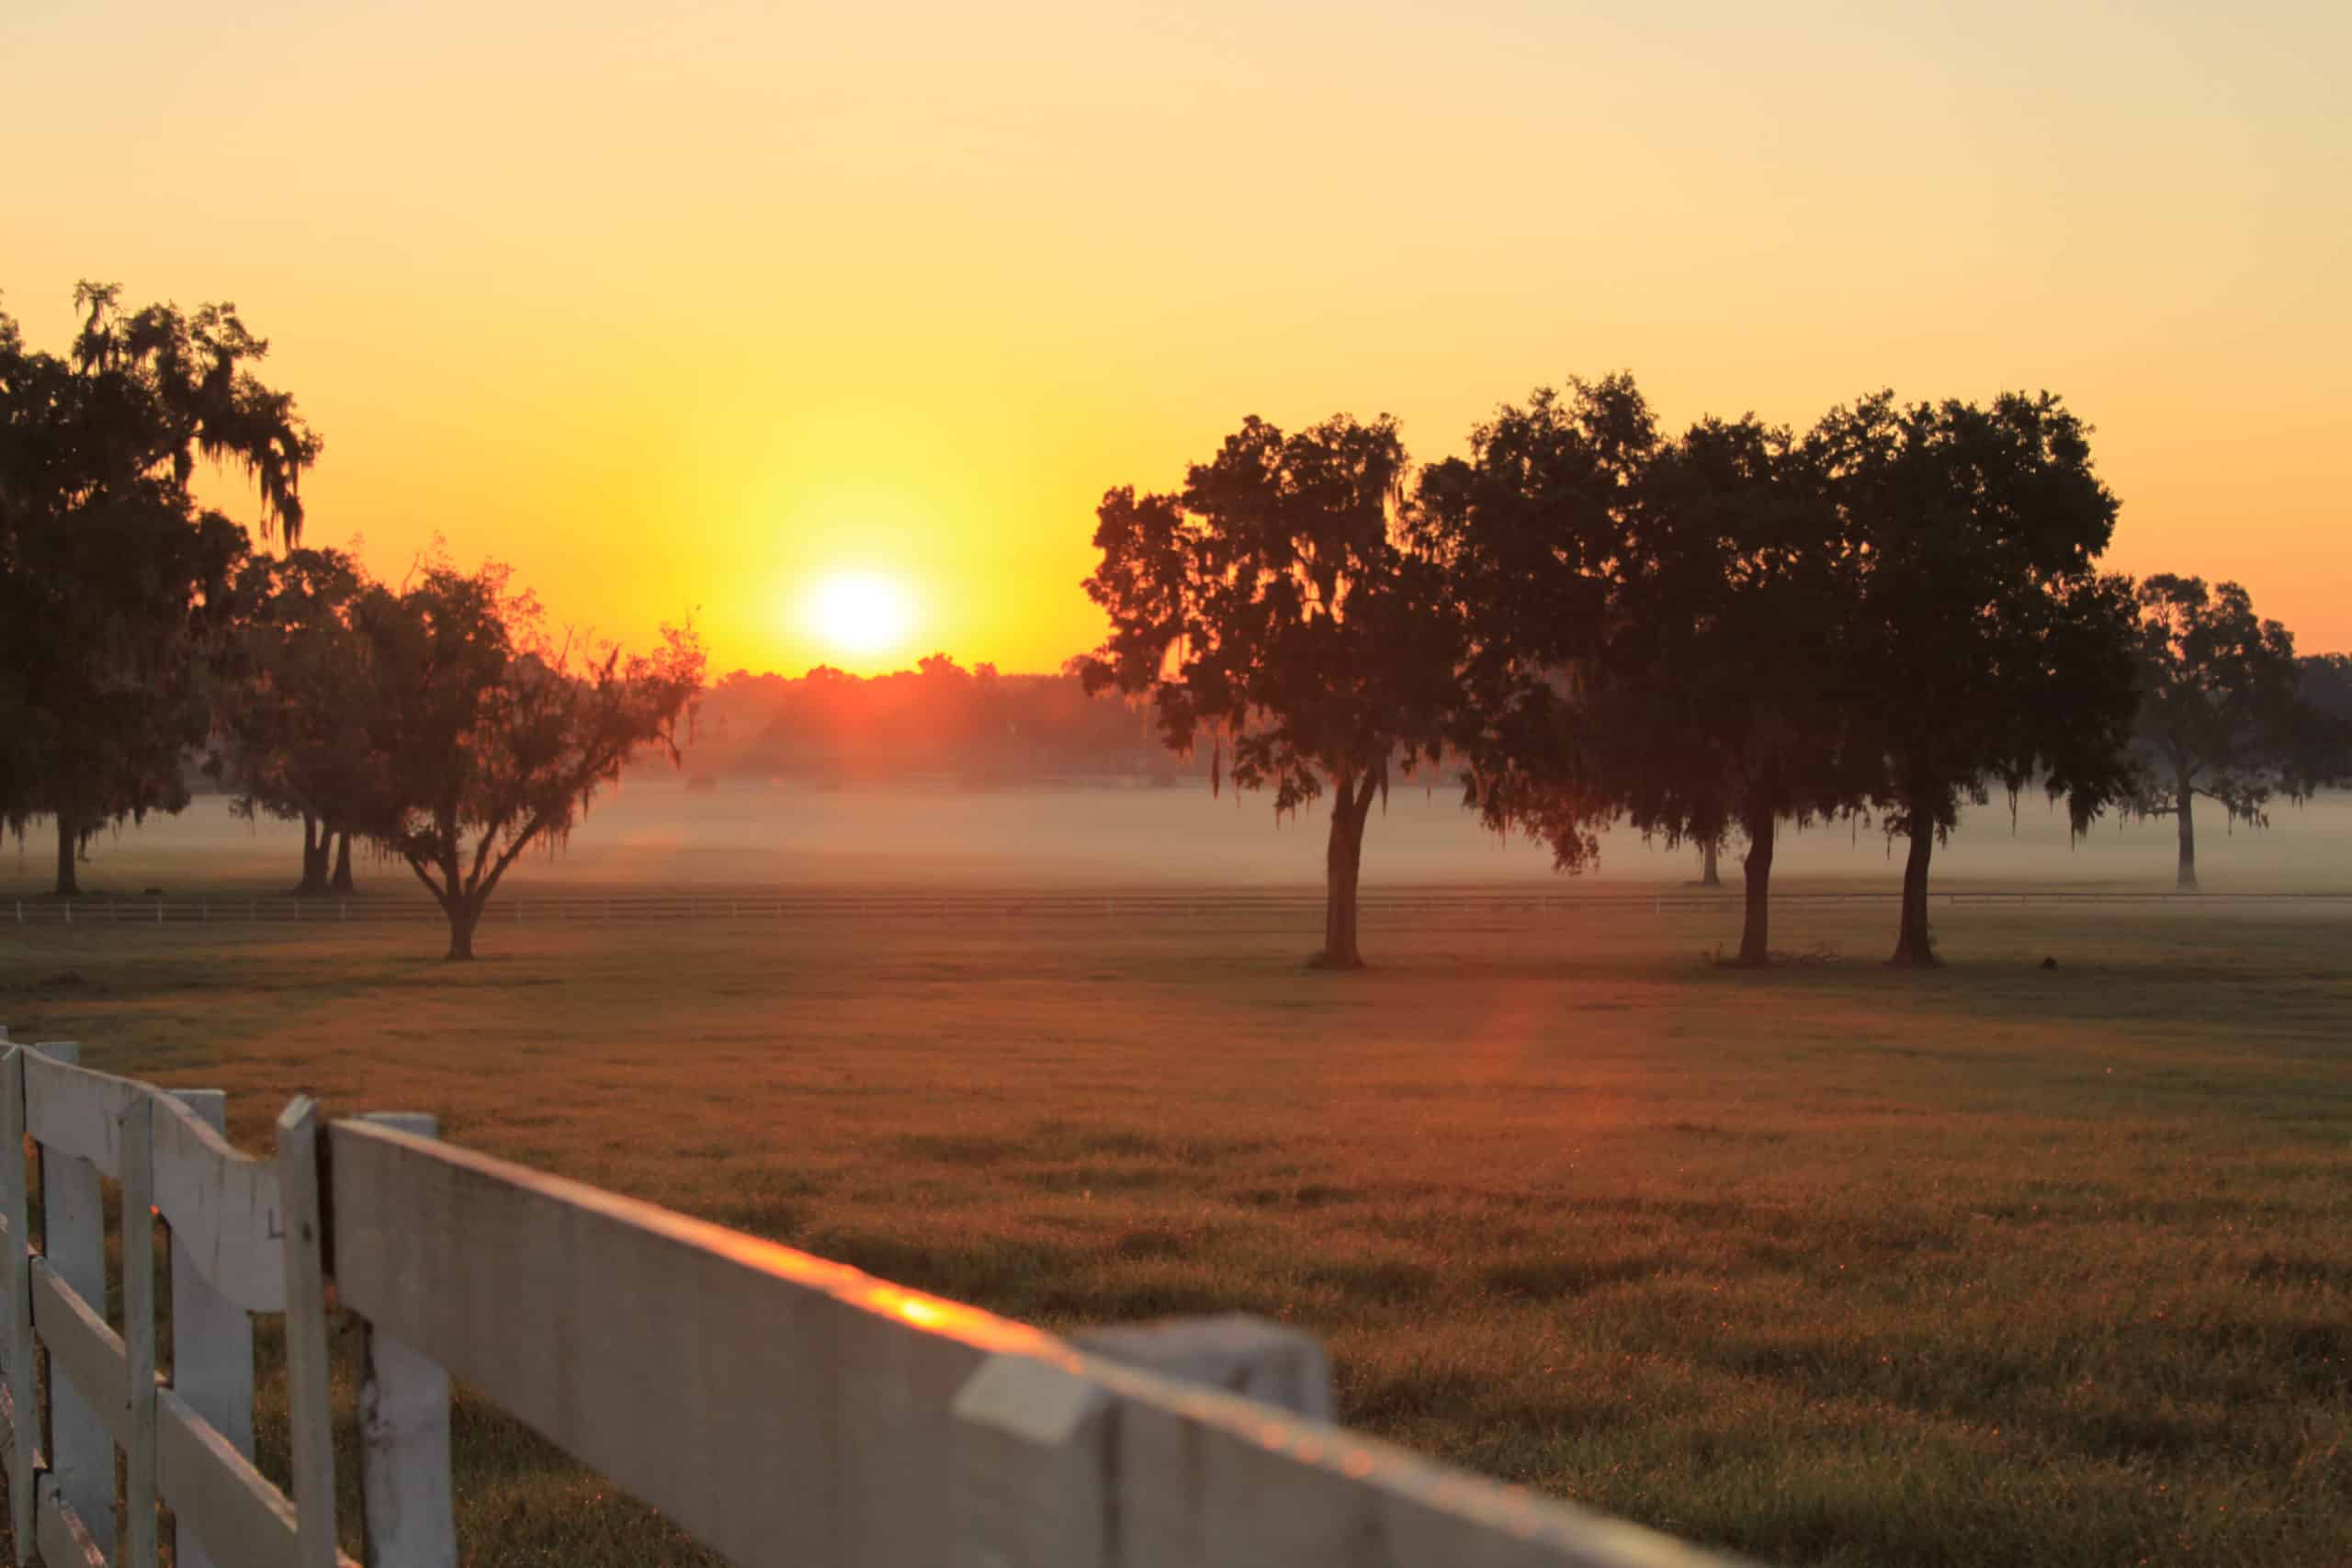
[1277, 607]
[114, 585]
[2222, 715]
[492, 736]
[1982, 645]
[292, 721]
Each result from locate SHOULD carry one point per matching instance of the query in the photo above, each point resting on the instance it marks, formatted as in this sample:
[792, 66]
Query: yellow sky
[681, 306]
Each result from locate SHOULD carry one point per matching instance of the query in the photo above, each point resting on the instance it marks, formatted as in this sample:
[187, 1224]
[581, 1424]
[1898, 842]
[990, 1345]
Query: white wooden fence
[782, 1408]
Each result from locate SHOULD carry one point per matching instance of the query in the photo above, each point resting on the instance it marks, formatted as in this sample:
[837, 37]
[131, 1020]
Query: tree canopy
[493, 735]
[114, 595]
[292, 723]
[1278, 604]
[1654, 628]
[1985, 646]
[2222, 711]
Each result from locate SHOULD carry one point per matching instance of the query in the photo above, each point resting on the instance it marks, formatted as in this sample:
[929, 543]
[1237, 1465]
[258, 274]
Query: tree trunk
[1341, 860]
[314, 858]
[341, 882]
[2186, 882]
[463, 915]
[1708, 875]
[1912, 948]
[69, 843]
[1755, 932]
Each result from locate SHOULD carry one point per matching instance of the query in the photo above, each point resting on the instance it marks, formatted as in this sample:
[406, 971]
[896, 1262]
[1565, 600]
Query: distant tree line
[1707, 634]
[939, 722]
[438, 720]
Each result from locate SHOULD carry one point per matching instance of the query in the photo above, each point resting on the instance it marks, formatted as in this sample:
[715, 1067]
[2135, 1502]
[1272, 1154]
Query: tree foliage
[495, 737]
[1533, 531]
[2222, 713]
[292, 723]
[1654, 628]
[115, 598]
[1278, 604]
[1985, 646]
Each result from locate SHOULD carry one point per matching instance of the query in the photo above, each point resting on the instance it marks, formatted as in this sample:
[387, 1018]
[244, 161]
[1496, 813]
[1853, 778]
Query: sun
[860, 613]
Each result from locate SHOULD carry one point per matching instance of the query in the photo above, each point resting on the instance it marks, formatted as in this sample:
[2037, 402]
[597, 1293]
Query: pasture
[1832, 1265]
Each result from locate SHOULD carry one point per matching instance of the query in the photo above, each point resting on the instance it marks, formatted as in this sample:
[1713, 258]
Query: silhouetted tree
[113, 586]
[1715, 706]
[1531, 529]
[294, 721]
[2324, 681]
[2222, 710]
[1653, 627]
[1983, 643]
[1278, 604]
[490, 732]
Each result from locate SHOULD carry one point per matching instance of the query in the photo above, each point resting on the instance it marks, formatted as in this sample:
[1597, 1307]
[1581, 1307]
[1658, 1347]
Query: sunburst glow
[860, 613]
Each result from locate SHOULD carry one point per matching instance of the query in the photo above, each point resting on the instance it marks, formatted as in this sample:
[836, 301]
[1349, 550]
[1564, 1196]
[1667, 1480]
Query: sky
[700, 308]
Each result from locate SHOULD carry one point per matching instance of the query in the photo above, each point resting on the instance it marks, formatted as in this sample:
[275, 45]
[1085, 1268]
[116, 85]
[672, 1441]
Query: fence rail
[762, 906]
[778, 1406]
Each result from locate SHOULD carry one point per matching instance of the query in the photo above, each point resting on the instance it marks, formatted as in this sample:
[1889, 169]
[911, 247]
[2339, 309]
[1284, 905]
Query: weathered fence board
[240, 1517]
[76, 1109]
[212, 1337]
[222, 1206]
[779, 1406]
[65, 1540]
[24, 1408]
[70, 1110]
[409, 1512]
[87, 1351]
[140, 1518]
[308, 1372]
[1203, 1479]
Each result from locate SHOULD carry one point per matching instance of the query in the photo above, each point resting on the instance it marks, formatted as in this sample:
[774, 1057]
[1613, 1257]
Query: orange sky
[683, 307]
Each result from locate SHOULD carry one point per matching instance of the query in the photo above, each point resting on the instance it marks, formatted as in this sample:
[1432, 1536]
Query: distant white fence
[1226, 904]
[779, 1408]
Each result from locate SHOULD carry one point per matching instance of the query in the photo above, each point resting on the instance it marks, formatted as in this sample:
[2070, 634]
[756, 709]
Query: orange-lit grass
[1833, 1265]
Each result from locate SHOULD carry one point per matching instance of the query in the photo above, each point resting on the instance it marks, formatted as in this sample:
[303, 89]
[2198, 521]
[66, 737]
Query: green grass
[1832, 1265]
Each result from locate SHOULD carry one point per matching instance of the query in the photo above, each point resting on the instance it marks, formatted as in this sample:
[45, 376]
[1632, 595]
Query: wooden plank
[778, 1406]
[309, 1414]
[1033, 1459]
[404, 1480]
[75, 1112]
[87, 1351]
[209, 1485]
[212, 1337]
[65, 1536]
[1249, 1355]
[222, 1206]
[1207, 1480]
[78, 1107]
[15, 1197]
[139, 1518]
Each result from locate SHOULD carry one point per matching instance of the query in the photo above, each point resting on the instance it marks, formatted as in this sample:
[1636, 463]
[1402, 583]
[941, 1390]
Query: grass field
[1832, 1265]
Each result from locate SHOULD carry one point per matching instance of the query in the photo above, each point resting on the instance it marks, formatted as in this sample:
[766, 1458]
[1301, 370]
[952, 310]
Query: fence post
[212, 1339]
[1235, 1352]
[74, 1239]
[309, 1414]
[139, 1518]
[405, 1435]
[24, 1399]
[1031, 1454]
